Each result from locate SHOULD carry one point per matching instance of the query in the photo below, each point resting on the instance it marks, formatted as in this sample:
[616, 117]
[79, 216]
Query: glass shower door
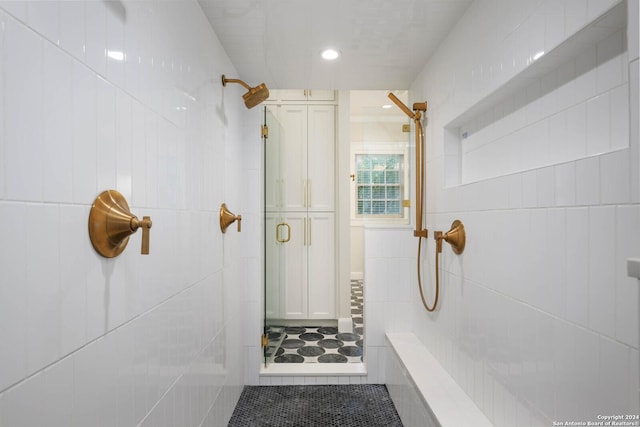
[277, 233]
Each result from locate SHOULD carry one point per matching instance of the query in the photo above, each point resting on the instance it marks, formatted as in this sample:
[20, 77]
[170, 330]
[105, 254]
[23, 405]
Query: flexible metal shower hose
[424, 301]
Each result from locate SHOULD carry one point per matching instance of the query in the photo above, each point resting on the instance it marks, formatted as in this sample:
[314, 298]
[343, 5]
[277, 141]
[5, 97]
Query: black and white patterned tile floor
[318, 345]
[313, 344]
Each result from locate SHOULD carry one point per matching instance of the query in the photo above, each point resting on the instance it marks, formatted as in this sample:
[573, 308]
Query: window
[379, 185]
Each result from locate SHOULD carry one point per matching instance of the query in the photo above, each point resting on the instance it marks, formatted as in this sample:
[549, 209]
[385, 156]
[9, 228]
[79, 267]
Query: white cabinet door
[286, 287]
[293, 156]
[321, 265]
[301, 148]
[273, 265]
[294, 267]
[321, 95]
[273, 149]
[321, 158]
[305, 95]
[292, 94]
[300, 266]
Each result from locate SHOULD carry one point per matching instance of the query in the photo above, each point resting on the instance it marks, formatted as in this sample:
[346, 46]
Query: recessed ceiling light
[330, 54]
[386, 106]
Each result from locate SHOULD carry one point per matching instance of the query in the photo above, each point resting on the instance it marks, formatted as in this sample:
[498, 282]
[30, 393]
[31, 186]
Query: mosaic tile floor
[358, 405]
[312, 344]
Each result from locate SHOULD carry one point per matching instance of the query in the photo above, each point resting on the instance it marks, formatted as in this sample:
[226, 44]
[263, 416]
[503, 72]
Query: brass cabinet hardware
[111, 223]
[264, 341]
[264, 133]
[406, 128]
[304, 196]
[283, 224]
[353, 176]
[306, 193]
[227, 218]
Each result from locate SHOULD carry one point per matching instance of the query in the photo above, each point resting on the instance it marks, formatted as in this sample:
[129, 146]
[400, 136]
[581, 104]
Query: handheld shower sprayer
[254, 96]
[456, 236]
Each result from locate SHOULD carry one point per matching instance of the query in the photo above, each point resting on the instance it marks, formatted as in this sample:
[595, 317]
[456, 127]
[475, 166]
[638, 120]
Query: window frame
[382, 150]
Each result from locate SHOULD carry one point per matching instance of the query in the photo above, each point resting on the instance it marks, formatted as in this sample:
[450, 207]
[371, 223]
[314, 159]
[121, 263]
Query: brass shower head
[254, 96]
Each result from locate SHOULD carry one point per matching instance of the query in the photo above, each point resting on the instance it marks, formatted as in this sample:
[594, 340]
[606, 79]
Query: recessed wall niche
[566, 104]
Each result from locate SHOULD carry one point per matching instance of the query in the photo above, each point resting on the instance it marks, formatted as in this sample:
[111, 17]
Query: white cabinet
[300, 212]
[302, 95]
[321, 271]
[300, 265]
[300, 155]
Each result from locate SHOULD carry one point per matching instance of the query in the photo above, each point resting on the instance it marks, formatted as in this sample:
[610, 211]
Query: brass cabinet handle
[283, 224]
[304, 196]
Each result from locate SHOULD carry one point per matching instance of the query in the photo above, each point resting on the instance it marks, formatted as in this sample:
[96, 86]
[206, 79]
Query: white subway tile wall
[122, 95]
[538, 321]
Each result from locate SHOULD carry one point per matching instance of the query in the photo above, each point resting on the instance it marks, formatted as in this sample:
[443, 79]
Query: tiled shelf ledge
[599, 29]
[445, 403]
[488, 135]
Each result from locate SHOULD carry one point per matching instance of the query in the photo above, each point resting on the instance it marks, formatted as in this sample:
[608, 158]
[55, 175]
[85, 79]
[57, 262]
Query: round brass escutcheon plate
[457, 237]
[108, 205]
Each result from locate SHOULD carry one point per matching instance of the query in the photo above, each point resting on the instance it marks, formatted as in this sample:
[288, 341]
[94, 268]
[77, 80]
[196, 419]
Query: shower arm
[226, 80]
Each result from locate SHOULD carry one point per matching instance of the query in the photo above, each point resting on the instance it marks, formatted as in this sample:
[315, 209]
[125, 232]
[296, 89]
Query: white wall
[136, 340]
[537, 320]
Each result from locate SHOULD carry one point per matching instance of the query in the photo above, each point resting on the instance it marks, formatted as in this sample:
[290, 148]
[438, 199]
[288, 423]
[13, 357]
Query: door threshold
[312, 369]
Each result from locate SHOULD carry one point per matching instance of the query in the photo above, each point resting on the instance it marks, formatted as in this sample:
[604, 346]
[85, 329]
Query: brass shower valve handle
[146, 227]
[111, 223]
[227, 218]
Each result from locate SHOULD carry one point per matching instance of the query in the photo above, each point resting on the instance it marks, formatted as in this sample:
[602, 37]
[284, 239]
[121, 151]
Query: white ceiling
[384, 43]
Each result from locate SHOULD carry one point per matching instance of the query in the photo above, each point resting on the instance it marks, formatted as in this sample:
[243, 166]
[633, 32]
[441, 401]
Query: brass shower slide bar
[456, 236]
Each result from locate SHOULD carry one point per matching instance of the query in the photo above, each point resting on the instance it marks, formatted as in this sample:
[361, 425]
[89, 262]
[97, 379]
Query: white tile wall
[538, 309]
[136, 340]
[572, 108]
